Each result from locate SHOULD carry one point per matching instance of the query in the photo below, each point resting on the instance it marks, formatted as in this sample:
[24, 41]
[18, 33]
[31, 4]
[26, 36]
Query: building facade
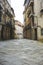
[9, 1]
[6, 20]
[18, 30]
[27, 23]
[35, 15]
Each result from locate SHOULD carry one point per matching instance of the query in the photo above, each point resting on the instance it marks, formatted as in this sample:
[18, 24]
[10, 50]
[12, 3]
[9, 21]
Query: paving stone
[21, 52]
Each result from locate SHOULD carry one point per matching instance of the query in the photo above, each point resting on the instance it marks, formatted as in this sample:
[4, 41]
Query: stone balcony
[9, 12]
[6, 6]
[31, 2]
[31, 15]
[1, 3]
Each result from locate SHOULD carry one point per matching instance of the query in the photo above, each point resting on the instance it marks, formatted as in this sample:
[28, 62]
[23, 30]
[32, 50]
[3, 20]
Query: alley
[21, 52]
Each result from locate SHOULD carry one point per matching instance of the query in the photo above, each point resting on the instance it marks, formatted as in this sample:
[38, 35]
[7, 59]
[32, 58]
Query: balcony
[9, 12]
[1, 5]
[31, 15]
[31, 2]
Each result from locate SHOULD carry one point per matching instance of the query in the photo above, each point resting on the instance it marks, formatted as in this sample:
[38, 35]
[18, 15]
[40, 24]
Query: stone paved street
[21, 52]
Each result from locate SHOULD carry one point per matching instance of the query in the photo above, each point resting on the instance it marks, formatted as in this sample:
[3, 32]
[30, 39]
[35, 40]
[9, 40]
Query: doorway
[36, 34]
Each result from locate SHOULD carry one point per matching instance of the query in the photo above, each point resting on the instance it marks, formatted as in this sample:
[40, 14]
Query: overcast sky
[18, 9]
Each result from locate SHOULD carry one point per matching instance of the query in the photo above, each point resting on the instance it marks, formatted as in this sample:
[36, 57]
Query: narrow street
[21, 52]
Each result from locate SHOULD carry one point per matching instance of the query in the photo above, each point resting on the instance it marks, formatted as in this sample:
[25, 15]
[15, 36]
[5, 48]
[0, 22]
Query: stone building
[27, 24]
[18, 30]
[6, 20]
[35, 15]
[9, 1]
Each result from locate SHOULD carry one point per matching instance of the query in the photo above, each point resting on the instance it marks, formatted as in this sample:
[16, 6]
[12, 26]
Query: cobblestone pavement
[21, 52]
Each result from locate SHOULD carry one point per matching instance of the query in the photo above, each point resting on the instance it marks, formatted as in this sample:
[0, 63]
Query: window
[41, 7]
[0, 19]
[0, 16]
[42, 31]
[19, 33]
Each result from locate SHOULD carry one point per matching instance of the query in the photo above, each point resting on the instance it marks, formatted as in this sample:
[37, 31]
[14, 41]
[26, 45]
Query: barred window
[0, 17]
[42, 31]
[41, 3]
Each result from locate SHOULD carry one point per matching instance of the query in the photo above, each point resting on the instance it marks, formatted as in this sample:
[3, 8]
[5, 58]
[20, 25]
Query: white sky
[18, 9]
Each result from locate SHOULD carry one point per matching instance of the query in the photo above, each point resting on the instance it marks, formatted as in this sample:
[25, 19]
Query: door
[36, 34]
